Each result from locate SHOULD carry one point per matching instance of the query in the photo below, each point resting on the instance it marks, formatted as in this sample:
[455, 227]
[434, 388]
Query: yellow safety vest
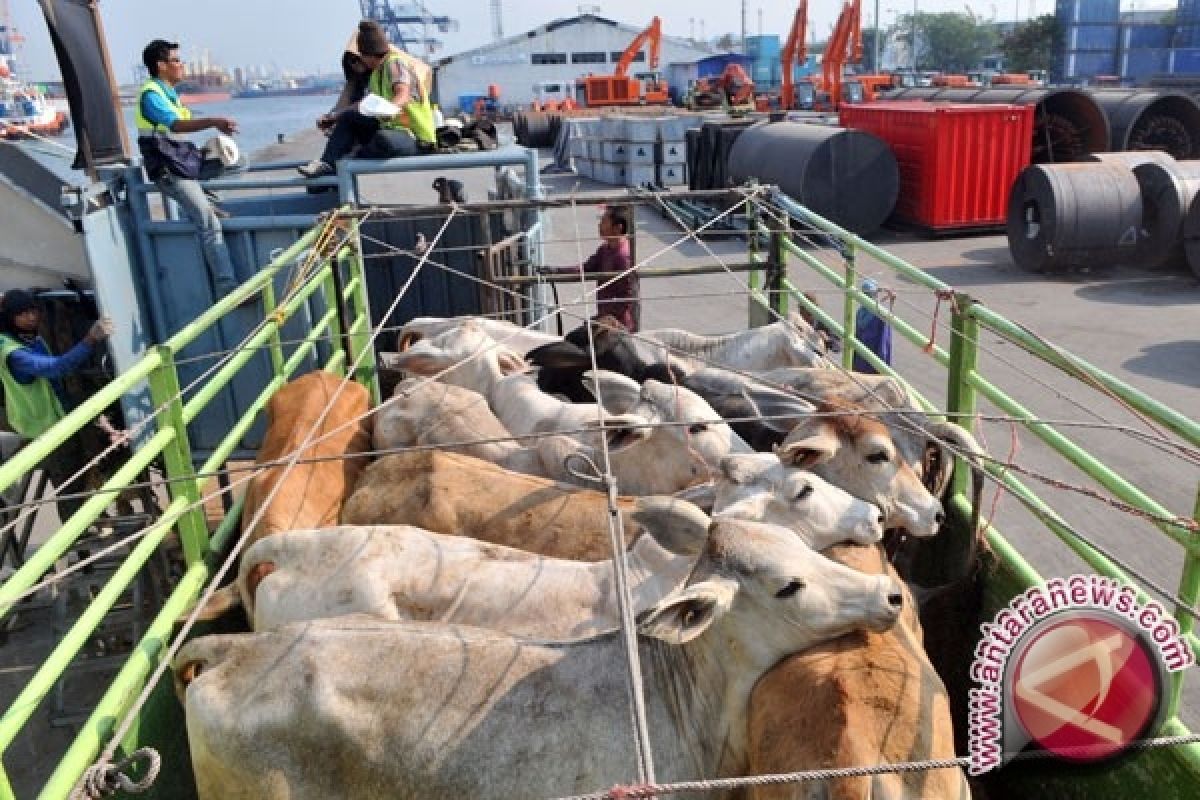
[32, 407]
[144, 125]
[418, 108]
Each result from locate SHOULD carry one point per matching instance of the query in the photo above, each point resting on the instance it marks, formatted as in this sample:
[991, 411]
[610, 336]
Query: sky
[308, 35]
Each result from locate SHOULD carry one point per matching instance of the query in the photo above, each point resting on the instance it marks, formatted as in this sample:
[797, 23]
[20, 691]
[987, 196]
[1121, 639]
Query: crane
[795, 48]
[619, 89]
[408, 24]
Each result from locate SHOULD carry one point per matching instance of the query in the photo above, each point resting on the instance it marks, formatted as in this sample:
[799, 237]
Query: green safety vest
[146, 126]
[418, 109]
[32, 407]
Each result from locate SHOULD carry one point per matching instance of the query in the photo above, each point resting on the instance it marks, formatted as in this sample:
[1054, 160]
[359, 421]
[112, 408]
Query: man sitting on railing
[617, 297]
[33, 394]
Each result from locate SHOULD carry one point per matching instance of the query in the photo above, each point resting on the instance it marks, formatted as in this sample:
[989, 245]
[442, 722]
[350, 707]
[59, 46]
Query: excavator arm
[795, 48]
[834, 59]
[653, 35]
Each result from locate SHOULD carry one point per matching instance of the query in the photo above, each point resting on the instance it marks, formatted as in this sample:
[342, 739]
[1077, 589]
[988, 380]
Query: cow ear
[742, 469]
[616, 392]
[805, 447]
[559, 355]
[687, 613]
[781, 411]
[510, 363]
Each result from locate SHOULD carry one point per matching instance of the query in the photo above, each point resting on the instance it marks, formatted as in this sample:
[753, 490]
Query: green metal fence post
[360, 325]
[849, 307]
[777, 269]
[164, 391]
[329, 289]
[961, 398]
[276, 342]
[1189, 591]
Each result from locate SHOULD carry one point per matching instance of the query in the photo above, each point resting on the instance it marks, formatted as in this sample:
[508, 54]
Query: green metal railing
[965, 385]
[341, 282]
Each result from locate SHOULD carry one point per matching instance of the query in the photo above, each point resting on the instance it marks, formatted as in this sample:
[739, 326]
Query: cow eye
[698, 427]
[789, 590]
[880, 457]
[804, 493]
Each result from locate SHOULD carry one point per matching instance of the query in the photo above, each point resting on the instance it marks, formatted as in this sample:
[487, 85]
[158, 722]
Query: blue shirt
[35, 361]
[155, 109]
[876, 335]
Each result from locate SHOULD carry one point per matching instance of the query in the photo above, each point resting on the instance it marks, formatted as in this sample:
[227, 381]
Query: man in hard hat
[872, 330]
[176, 166]
[400, 80]
[33, 393]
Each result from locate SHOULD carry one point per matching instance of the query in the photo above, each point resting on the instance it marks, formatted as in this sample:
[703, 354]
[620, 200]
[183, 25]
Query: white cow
[786, 343]
[353, 708]
[402, 572]
[510, 336]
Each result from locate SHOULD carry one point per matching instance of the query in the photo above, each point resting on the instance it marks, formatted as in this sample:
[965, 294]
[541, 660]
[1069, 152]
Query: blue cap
[870, 287]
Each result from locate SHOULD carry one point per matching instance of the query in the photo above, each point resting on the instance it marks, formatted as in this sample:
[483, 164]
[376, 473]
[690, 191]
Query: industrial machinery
[795, 48]
[732, 90]
[621, 89]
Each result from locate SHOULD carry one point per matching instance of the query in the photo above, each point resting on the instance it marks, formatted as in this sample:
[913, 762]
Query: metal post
[914, 40]
[276, 346]
[875, 41]
[777, 269]
[849, 307]
[1189, 591]
[964, 357]
[360, 325]
[177, 455]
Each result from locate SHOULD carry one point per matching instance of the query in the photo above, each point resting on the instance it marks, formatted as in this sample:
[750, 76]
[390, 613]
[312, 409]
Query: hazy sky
[309, 34]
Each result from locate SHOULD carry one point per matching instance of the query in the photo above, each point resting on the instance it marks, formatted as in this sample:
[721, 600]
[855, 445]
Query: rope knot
[104, 779]
[950, 297]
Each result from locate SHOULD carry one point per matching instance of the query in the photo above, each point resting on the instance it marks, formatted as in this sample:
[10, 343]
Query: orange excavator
[620, 89]
[795, 48]
[732, 90]
[844, 46]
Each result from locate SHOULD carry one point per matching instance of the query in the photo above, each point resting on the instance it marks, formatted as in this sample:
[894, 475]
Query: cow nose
[896, 599]
[880, 519]
[939, 518]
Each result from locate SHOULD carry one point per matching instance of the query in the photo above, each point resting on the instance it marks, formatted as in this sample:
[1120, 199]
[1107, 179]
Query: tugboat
[24, 110]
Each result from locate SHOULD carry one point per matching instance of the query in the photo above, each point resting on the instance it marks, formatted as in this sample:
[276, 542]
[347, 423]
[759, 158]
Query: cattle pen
[326, 302]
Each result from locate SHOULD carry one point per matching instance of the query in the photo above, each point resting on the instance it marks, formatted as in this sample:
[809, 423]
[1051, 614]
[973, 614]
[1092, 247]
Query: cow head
[858, 454]
[758, 487]
[778, 594]
[682, 441]
[806, 347]
[464, 356]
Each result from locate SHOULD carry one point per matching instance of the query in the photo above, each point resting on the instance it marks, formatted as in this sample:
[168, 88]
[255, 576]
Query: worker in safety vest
[399, 79]
[33, 395]
[175, 165]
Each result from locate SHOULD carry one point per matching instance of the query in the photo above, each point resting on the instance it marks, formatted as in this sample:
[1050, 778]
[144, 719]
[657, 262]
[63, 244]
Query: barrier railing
[965, 385]
[184, 513]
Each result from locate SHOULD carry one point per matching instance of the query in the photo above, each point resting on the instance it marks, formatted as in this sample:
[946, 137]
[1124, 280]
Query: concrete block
[674, 152]
[672, 174]
[636, 175]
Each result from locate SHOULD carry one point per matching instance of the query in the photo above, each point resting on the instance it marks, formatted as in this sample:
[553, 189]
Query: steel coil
[1147, 119]
[536, 128]
[1168, 190]
[1063, 215]
[1191, 236]
[1131, 158]
[1068, 124]
[847, 176]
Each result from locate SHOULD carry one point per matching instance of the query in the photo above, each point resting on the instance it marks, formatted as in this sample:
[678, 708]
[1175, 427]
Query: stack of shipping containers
[1090, 33]
[1144, 51]
[1185, 58]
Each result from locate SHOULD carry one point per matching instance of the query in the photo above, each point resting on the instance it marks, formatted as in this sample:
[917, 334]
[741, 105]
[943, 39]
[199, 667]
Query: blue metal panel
[767, 47]
[1072, 12]
[1091, 37]
[1137, 65]
[1185, 61]
[1136, 37]
[1188, 11]
[1087, 65]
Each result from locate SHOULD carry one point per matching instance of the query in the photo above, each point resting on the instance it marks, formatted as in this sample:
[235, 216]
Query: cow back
[310, 493]
[455, 494]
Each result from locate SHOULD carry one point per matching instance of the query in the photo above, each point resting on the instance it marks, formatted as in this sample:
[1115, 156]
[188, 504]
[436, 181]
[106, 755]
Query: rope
[104, 779]
[941, 294]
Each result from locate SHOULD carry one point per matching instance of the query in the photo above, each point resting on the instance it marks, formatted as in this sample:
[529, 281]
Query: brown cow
[860, 700]
[309, 495]
[463, 496]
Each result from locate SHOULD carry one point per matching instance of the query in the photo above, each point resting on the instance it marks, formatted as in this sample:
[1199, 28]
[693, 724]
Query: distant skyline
[308, 35]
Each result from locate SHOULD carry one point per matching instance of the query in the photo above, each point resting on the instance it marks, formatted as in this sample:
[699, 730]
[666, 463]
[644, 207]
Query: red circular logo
[1084, 686]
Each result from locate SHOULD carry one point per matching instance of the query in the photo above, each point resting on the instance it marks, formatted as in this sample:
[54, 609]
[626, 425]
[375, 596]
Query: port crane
[408, 25]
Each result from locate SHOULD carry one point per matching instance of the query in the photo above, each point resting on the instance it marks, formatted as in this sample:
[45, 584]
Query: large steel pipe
[1168, 191]
[849, 177]
[1063, 215]
[536, 128]
[1149, 119]
[1067, 123]
[1191, 236]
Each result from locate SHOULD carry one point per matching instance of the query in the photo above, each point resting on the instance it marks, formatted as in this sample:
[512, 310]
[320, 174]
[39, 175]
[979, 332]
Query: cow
[784, 343]
[860, 700]
[512, 337]
[401, 572]
[363, 708]
[308, 494]
[459, 495]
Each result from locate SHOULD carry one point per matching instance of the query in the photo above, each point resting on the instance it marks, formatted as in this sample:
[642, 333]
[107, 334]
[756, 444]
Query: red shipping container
[958, 161]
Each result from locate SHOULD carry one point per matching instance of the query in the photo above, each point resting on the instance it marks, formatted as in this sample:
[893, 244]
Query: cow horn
[967, 447]
[221, 603]
[407, 340]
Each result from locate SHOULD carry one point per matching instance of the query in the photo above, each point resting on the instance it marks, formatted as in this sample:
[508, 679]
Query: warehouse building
[549, 58]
